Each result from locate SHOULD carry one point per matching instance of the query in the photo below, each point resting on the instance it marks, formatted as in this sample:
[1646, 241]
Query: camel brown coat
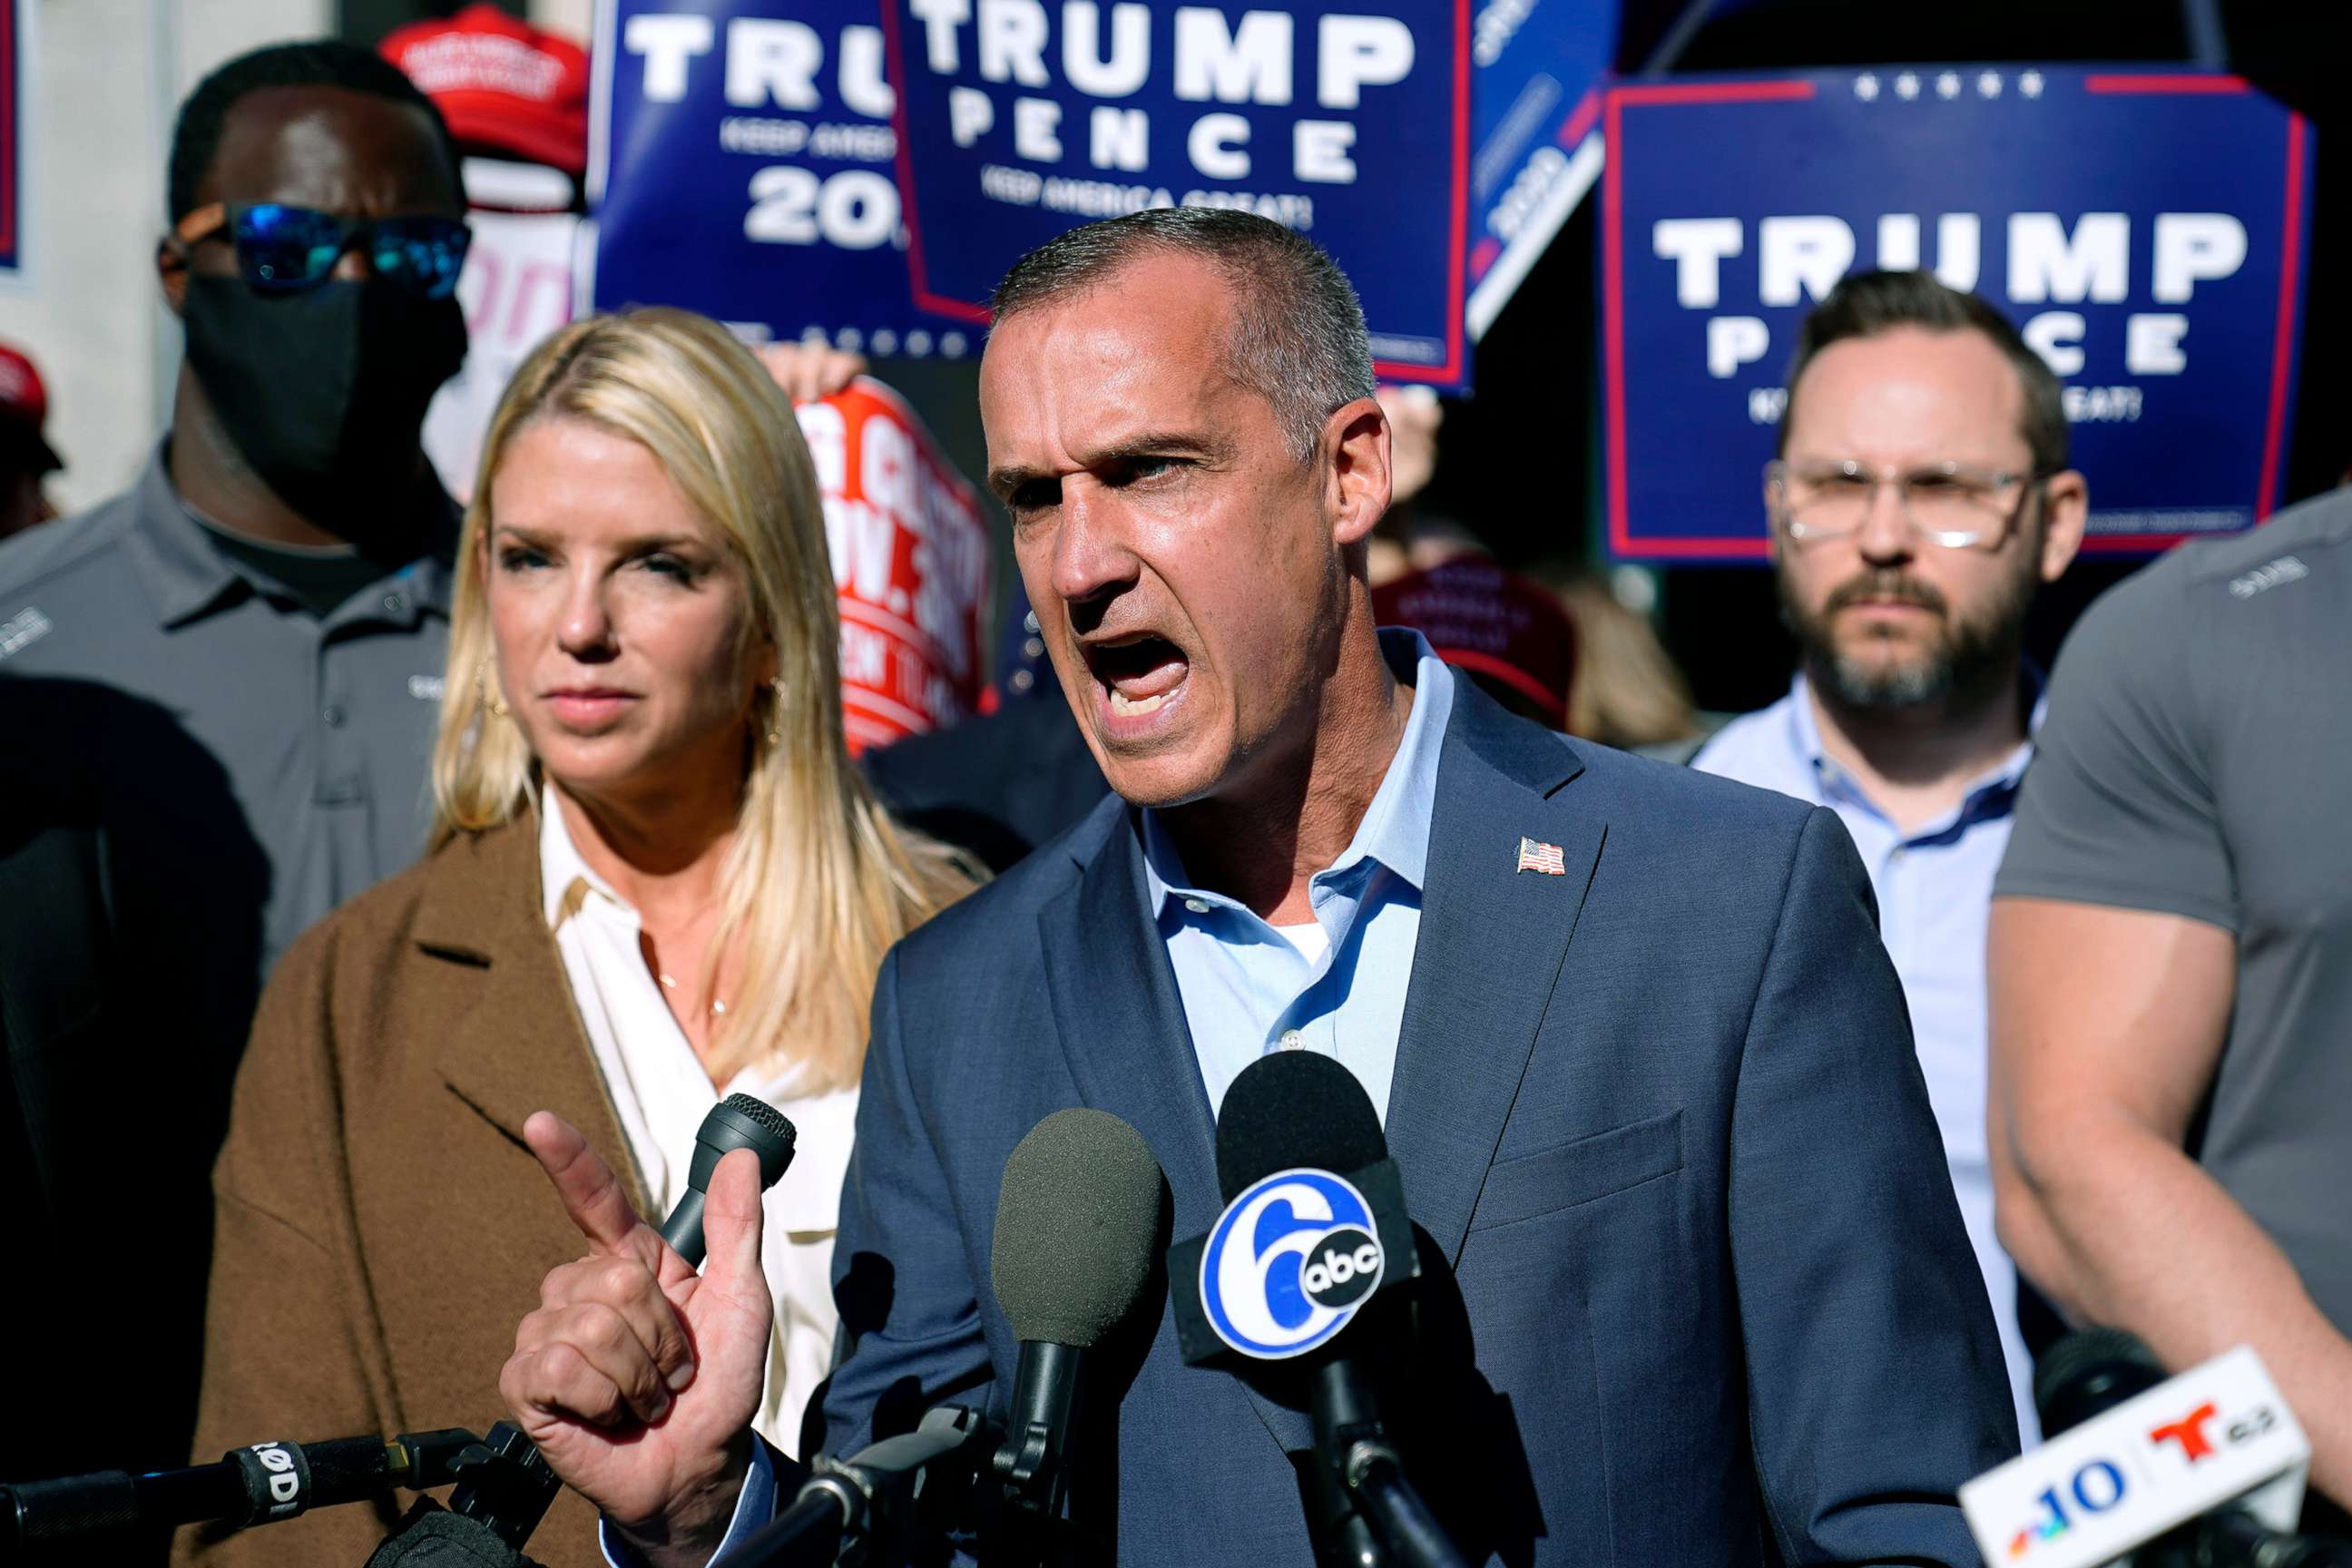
[381, 1227]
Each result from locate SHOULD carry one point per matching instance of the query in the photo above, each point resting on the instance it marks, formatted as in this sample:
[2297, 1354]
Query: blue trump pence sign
[1020, 119]
[2146, 232]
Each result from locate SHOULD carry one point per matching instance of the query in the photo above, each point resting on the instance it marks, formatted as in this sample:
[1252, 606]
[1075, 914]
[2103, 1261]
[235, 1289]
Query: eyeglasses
[283, 250]
[1952, 504]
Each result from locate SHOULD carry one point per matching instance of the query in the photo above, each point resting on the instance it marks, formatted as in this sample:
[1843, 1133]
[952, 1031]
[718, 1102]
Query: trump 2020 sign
[1020, 119]
[2145, 230]
[741, 163]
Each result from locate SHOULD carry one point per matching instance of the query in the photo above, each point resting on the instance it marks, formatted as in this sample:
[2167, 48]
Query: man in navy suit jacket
[1698, 1293]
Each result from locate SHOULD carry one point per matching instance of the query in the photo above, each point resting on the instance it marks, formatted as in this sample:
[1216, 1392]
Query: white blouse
[661, 1092]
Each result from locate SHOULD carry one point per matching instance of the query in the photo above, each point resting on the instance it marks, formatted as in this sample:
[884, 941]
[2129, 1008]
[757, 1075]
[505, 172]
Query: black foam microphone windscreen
[1293, 1109]
[1077, 1223]
[2089, 1372]
[739, 1121]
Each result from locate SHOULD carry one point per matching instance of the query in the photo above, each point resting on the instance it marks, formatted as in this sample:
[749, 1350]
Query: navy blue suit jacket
[1659, 1119]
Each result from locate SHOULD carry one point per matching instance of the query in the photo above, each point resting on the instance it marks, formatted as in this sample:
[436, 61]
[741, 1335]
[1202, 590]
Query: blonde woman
[655, 879]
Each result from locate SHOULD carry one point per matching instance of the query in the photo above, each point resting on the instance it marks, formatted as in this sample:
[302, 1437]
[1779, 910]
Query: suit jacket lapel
[1492, 942]
[1131, 1052]
[522, 1048]
[1120, 1019]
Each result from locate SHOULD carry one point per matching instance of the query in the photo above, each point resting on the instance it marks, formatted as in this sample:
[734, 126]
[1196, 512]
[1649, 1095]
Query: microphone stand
[847, 1506]
[503, 1484]
[1385, 1520]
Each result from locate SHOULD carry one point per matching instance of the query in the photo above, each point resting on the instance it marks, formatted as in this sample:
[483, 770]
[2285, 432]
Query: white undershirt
[661, 1093]
[1309, 938]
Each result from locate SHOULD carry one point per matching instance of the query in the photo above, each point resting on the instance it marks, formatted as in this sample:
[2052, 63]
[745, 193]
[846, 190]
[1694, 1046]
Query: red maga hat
[24, 403]
[502, 83]
[1490, 623]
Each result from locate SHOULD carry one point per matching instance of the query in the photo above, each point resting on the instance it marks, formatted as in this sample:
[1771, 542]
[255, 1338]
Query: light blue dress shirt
[1247, 990]
[1935, 891]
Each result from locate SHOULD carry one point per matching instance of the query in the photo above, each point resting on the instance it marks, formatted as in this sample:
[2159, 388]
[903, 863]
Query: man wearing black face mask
[277, 576]
[230, 674]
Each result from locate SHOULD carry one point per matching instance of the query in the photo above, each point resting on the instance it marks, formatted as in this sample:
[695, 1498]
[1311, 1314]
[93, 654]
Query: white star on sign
[1865, 87]
[2029, 84]
[1949, 85]
[1988, 84]
[1906, 84]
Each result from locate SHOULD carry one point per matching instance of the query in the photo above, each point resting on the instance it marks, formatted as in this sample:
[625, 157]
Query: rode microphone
[739, 1121]
[2205, 1469]
[262, 1483]
[1078, 1223]
[1314, 1229]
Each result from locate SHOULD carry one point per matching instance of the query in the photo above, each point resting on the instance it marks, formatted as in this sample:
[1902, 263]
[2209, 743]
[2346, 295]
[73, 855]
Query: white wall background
[569, 17]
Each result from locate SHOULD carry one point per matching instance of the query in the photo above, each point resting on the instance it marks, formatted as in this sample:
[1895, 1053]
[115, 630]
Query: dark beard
[1969, 663]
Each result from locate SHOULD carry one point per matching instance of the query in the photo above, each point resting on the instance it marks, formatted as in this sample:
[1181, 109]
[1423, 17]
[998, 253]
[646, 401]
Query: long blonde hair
[819, 881]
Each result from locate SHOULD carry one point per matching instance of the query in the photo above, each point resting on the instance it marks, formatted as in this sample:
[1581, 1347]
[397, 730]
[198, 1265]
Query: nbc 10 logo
[1290, 1262]
[2093, 1489]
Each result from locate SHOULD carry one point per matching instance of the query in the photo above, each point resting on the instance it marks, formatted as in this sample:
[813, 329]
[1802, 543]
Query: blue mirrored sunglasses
[283, 250]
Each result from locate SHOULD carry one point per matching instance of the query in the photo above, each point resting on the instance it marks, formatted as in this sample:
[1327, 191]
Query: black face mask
[324, 392]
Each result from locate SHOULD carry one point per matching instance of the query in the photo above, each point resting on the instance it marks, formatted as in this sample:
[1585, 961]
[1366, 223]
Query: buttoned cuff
[755, 1505]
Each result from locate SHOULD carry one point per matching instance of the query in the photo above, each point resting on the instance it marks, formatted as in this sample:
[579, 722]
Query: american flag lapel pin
[1543, 858]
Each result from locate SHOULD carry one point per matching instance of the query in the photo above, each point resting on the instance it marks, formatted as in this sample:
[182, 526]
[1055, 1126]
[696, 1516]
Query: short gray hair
[1298, 333]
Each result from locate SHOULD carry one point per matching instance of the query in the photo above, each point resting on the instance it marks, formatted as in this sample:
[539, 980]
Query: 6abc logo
[1290, 1262]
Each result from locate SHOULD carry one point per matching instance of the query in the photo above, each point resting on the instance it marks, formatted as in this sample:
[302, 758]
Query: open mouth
[1137, 674]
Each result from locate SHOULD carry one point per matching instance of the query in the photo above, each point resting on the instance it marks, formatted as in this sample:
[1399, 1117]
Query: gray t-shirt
[175, 672]
[2197, 760]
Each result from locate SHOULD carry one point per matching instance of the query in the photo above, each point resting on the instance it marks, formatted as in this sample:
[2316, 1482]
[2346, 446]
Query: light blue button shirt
[1934, 890]
[1247, 990]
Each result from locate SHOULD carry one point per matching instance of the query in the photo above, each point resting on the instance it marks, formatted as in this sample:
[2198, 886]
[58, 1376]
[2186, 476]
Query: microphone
[504, 1486]
[739, 1121]
[845, 1502]
[1077, 1220]
[1078, 1223]
[2203, 1470]
[262, 1483]
[1315, 1228]
[496, 1505]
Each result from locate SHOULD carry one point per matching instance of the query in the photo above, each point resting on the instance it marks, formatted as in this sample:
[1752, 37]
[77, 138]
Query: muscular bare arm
[2108, 1027]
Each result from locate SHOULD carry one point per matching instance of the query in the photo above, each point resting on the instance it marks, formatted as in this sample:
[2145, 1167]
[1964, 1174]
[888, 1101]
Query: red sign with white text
[910, 559]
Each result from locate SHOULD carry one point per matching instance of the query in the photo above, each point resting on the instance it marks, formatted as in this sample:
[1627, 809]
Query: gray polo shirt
[322, 728]
[2197, 760]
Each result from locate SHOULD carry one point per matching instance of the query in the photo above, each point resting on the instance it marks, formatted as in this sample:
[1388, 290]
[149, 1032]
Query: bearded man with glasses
[226, 680]
[1920, 497]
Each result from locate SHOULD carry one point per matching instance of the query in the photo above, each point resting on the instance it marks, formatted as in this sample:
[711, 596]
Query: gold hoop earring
[495, 706]
[776, 724]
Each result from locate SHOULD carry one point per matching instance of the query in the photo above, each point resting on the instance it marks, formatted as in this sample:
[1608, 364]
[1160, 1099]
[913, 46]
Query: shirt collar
[182, 571]
[1805, 740]
[1394, 832]
[187, 576]
[565, 880]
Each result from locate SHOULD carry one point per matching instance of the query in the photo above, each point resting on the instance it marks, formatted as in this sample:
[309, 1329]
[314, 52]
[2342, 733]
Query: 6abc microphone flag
[1314, 1231]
